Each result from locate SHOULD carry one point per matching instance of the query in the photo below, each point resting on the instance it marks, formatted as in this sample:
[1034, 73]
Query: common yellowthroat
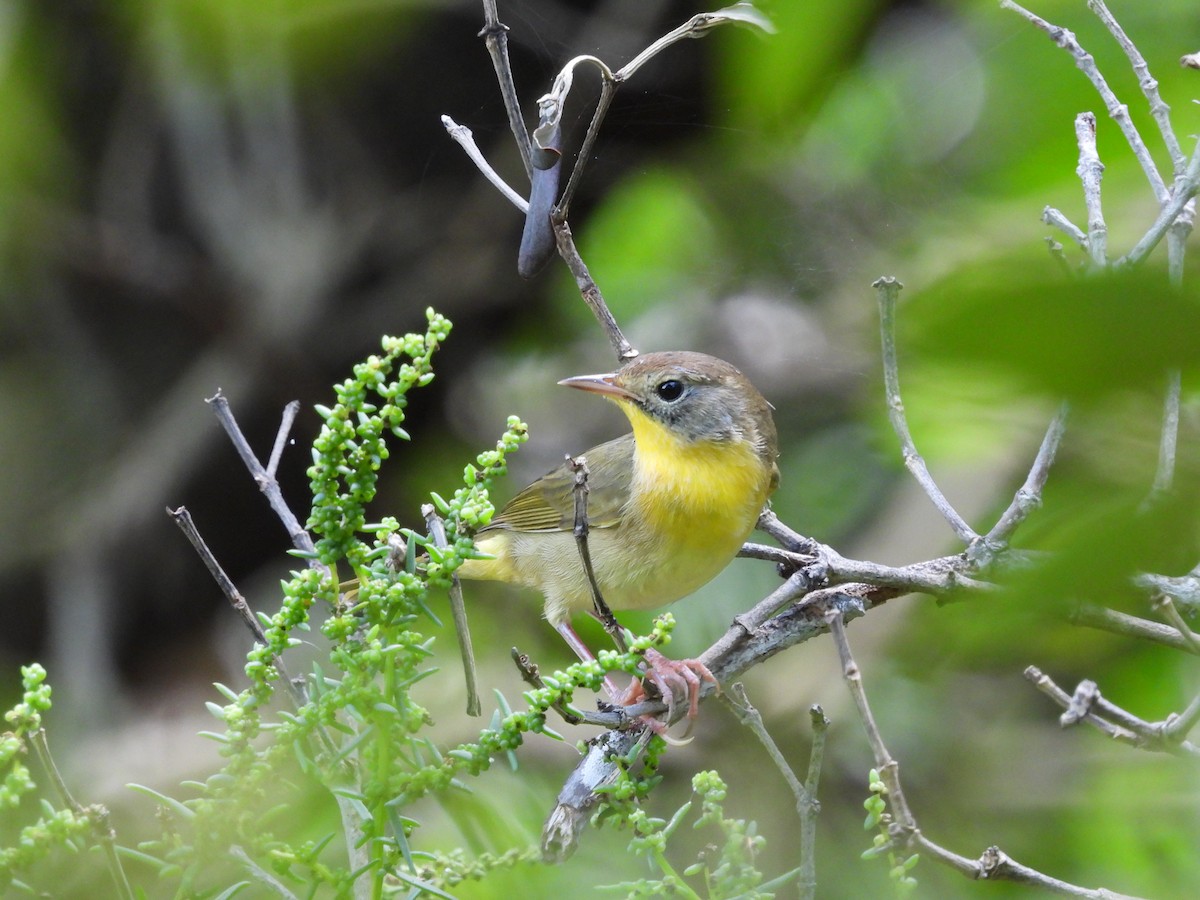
[669, 505]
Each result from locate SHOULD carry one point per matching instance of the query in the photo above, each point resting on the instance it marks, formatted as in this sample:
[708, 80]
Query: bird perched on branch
[668, 506]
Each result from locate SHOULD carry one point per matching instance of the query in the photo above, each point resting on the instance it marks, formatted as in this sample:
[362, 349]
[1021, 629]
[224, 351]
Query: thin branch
[807, 807]
[1119, 111]
[1090, 171]
[1029, 497]
[495, 36]
[265, 877]
[887, 289]
[96, 814]
[1087, 705]
[1129, 626]
[281, 436]
[1057, 219]
[1185, 188]
[183, 518]
[265, 480]
[532, 677]
[591, 292]
[578, 465]
[458, 611]
[808, 817]
[462, 136]
[1164, 474]
[1158, 109]
[994, 864]
[1170, 612]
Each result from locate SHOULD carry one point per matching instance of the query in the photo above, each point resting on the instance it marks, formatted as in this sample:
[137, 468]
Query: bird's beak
[605, 385]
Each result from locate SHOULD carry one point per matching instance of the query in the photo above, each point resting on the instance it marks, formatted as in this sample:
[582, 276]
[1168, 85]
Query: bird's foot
[670, 676]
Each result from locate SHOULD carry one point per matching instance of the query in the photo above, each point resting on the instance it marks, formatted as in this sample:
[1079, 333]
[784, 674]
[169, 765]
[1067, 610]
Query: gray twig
[1088, 705]
[495, 36]
[578, 465]
[591, 292]
[1118, 110]
[887, 290]
[1090, 171]
[1149, 85]
[807, 807]
[1057, 219]
[1029, 497]
[993, 864]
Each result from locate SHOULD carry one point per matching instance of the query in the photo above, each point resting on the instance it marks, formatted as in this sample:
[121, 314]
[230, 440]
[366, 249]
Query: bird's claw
[669, 676]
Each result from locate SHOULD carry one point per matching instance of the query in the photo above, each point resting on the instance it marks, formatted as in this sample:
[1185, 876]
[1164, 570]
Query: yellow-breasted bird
[668, 506]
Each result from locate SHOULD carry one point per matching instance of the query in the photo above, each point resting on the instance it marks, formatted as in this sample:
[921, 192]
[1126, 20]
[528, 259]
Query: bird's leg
[575, 642]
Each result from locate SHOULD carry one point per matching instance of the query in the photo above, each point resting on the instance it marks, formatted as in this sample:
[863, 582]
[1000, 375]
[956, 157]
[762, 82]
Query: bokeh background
[208, 193]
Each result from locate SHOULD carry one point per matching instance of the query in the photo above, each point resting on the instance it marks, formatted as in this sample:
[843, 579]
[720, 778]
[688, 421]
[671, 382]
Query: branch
[1058, 219]
[265, 479]
[887, 289]
[462, 136]
[578, 465]
[807, 807]
[1090, 171]
[590, 292]
[183, 519]
[1119, 111]
[1086, 705]
[1130, 626]
[1158, 109]
[993, 864]
[1185, 188]
[1029, 496]
[495, 36]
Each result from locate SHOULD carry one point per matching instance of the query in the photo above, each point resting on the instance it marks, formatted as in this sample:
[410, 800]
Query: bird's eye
[670, 390]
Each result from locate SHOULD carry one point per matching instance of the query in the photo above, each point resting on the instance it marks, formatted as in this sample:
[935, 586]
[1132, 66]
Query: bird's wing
[549, 503]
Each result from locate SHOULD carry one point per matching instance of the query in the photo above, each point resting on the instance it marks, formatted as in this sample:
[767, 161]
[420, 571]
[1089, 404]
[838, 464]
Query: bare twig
[1130, 626]
[1185, 188]
[887, 290]
[1170, 612]
[98, 815]
[1158, 109]
[462, 136]
[1164, 474]
[266, 878]
[532, 677]
[458, 611]
[265, 480]
[808, 816]
[495, 36]
[1119, 112]
[591, 292]
[1090, 171]
[993, 864]
[1029, 497]
[1058, 219]
[1087, 705]
[578, 465]
[807, 807]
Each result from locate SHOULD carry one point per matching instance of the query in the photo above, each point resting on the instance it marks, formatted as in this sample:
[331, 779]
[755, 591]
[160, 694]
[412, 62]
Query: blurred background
[204, 194]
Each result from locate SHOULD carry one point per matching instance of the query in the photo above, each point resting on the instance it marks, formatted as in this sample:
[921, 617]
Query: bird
[668, 504]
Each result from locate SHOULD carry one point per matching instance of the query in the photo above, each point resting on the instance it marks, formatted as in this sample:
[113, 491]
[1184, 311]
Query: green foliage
[55, 829]
[882, 845]
[725, 867]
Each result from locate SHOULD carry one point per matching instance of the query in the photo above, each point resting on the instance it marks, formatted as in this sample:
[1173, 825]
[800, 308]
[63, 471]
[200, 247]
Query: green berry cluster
[70, 828]
[351, 447]
[878, 818]
[726, 867]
